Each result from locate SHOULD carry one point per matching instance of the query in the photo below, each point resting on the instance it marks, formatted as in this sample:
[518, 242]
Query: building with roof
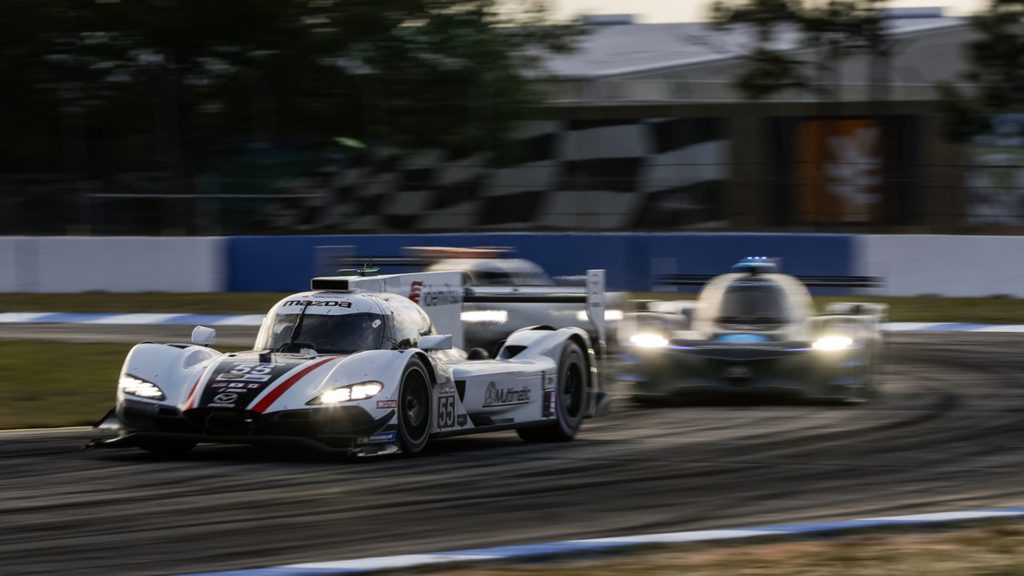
[643, 129]
[619, 61]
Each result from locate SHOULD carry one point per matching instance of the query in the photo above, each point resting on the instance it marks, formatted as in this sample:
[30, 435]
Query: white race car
[357, 366]
[490, 274]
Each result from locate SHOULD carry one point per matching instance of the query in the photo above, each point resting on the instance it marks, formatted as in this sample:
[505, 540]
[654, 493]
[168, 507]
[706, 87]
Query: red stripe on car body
[192, 394]
[283, 387]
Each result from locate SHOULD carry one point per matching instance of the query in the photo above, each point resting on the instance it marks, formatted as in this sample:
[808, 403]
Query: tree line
[172, 84]
[93, 85]
[832, 30]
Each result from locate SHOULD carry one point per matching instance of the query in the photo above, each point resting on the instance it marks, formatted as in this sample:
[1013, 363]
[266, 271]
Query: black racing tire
[571, 398]
[869, 392]
[167, 446]
[414, 408]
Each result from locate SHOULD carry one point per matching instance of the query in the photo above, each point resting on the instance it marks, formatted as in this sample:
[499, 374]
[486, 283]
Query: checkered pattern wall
[582, 175]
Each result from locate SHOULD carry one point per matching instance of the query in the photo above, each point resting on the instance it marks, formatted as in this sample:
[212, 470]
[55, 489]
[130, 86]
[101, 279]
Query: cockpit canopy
[340, 323]
[326, 334]
[741, 301]
[754, 301]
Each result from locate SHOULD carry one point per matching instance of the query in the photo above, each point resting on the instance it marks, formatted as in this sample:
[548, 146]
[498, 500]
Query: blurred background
[168, 163]
[177, 117]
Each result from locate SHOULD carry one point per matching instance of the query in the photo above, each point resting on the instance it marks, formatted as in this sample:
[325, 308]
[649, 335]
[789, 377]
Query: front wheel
[868, 390]
[414, 408]
[570, 400]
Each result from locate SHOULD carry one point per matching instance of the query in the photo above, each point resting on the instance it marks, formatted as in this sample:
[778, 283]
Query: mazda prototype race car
[753, 331]
[357, 366]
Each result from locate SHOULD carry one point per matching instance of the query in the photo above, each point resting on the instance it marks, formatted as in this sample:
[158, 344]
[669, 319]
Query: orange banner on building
[839, 171]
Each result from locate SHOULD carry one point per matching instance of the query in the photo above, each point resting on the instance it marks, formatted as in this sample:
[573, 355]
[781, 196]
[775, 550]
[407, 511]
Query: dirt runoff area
[989, 550]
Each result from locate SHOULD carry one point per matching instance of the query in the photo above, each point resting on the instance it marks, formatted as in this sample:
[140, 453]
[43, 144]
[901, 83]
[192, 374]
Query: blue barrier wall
[286, 263]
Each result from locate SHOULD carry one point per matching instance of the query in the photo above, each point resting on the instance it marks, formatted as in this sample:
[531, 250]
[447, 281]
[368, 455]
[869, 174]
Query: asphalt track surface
[947, 434]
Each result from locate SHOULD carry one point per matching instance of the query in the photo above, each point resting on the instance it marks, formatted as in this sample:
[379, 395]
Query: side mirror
[203, 336]
[438, 342]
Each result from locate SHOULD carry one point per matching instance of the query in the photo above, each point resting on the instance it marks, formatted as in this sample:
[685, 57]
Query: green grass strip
[57, 384]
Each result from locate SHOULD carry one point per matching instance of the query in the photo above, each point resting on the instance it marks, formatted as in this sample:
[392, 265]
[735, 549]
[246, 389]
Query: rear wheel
[570, 400]
[414, 408]
[167, 446]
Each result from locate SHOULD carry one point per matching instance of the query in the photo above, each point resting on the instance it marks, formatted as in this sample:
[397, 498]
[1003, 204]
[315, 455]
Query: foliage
[192, 78]
[832, 29]
[996, 73]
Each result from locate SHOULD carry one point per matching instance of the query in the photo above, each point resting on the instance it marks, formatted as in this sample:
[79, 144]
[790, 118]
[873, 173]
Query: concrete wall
[909, 265]
[943, 265]
[113, 264]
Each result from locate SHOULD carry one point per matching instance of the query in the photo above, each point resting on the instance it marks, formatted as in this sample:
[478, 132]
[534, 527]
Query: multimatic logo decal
[495, 396]
[321, 303]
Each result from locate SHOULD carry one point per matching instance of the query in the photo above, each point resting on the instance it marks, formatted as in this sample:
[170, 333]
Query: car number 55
[446, 412]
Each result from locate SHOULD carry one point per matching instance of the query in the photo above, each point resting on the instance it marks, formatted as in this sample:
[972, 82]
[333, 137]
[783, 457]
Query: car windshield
[761, 303]
[327, 334]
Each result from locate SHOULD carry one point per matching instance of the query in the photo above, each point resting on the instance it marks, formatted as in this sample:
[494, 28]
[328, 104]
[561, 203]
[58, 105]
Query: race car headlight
[832, 343]
[485, 316]
[360, 391]
[137, 387]
[609, 315]
[648, 340]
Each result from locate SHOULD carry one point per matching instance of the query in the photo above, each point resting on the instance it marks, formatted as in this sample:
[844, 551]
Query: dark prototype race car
[754, 331]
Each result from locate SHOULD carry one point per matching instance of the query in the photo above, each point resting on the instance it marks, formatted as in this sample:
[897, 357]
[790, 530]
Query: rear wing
[873, 309]
[592, 295]
[442, 294]
[809, 281]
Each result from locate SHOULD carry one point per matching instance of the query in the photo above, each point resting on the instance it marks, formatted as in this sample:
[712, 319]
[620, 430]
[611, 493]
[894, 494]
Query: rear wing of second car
[809, 281]
[593, 296]
[442, 294]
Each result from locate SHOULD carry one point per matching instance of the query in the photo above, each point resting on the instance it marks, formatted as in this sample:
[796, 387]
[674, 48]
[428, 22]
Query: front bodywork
[730, 369]
[751, 334]
[271, 399]
[259, 398]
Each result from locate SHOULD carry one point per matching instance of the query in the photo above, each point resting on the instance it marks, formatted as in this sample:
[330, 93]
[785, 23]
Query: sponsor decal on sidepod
[495, 396]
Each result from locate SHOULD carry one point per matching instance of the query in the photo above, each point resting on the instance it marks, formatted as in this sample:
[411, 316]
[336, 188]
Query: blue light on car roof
[757, 265]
